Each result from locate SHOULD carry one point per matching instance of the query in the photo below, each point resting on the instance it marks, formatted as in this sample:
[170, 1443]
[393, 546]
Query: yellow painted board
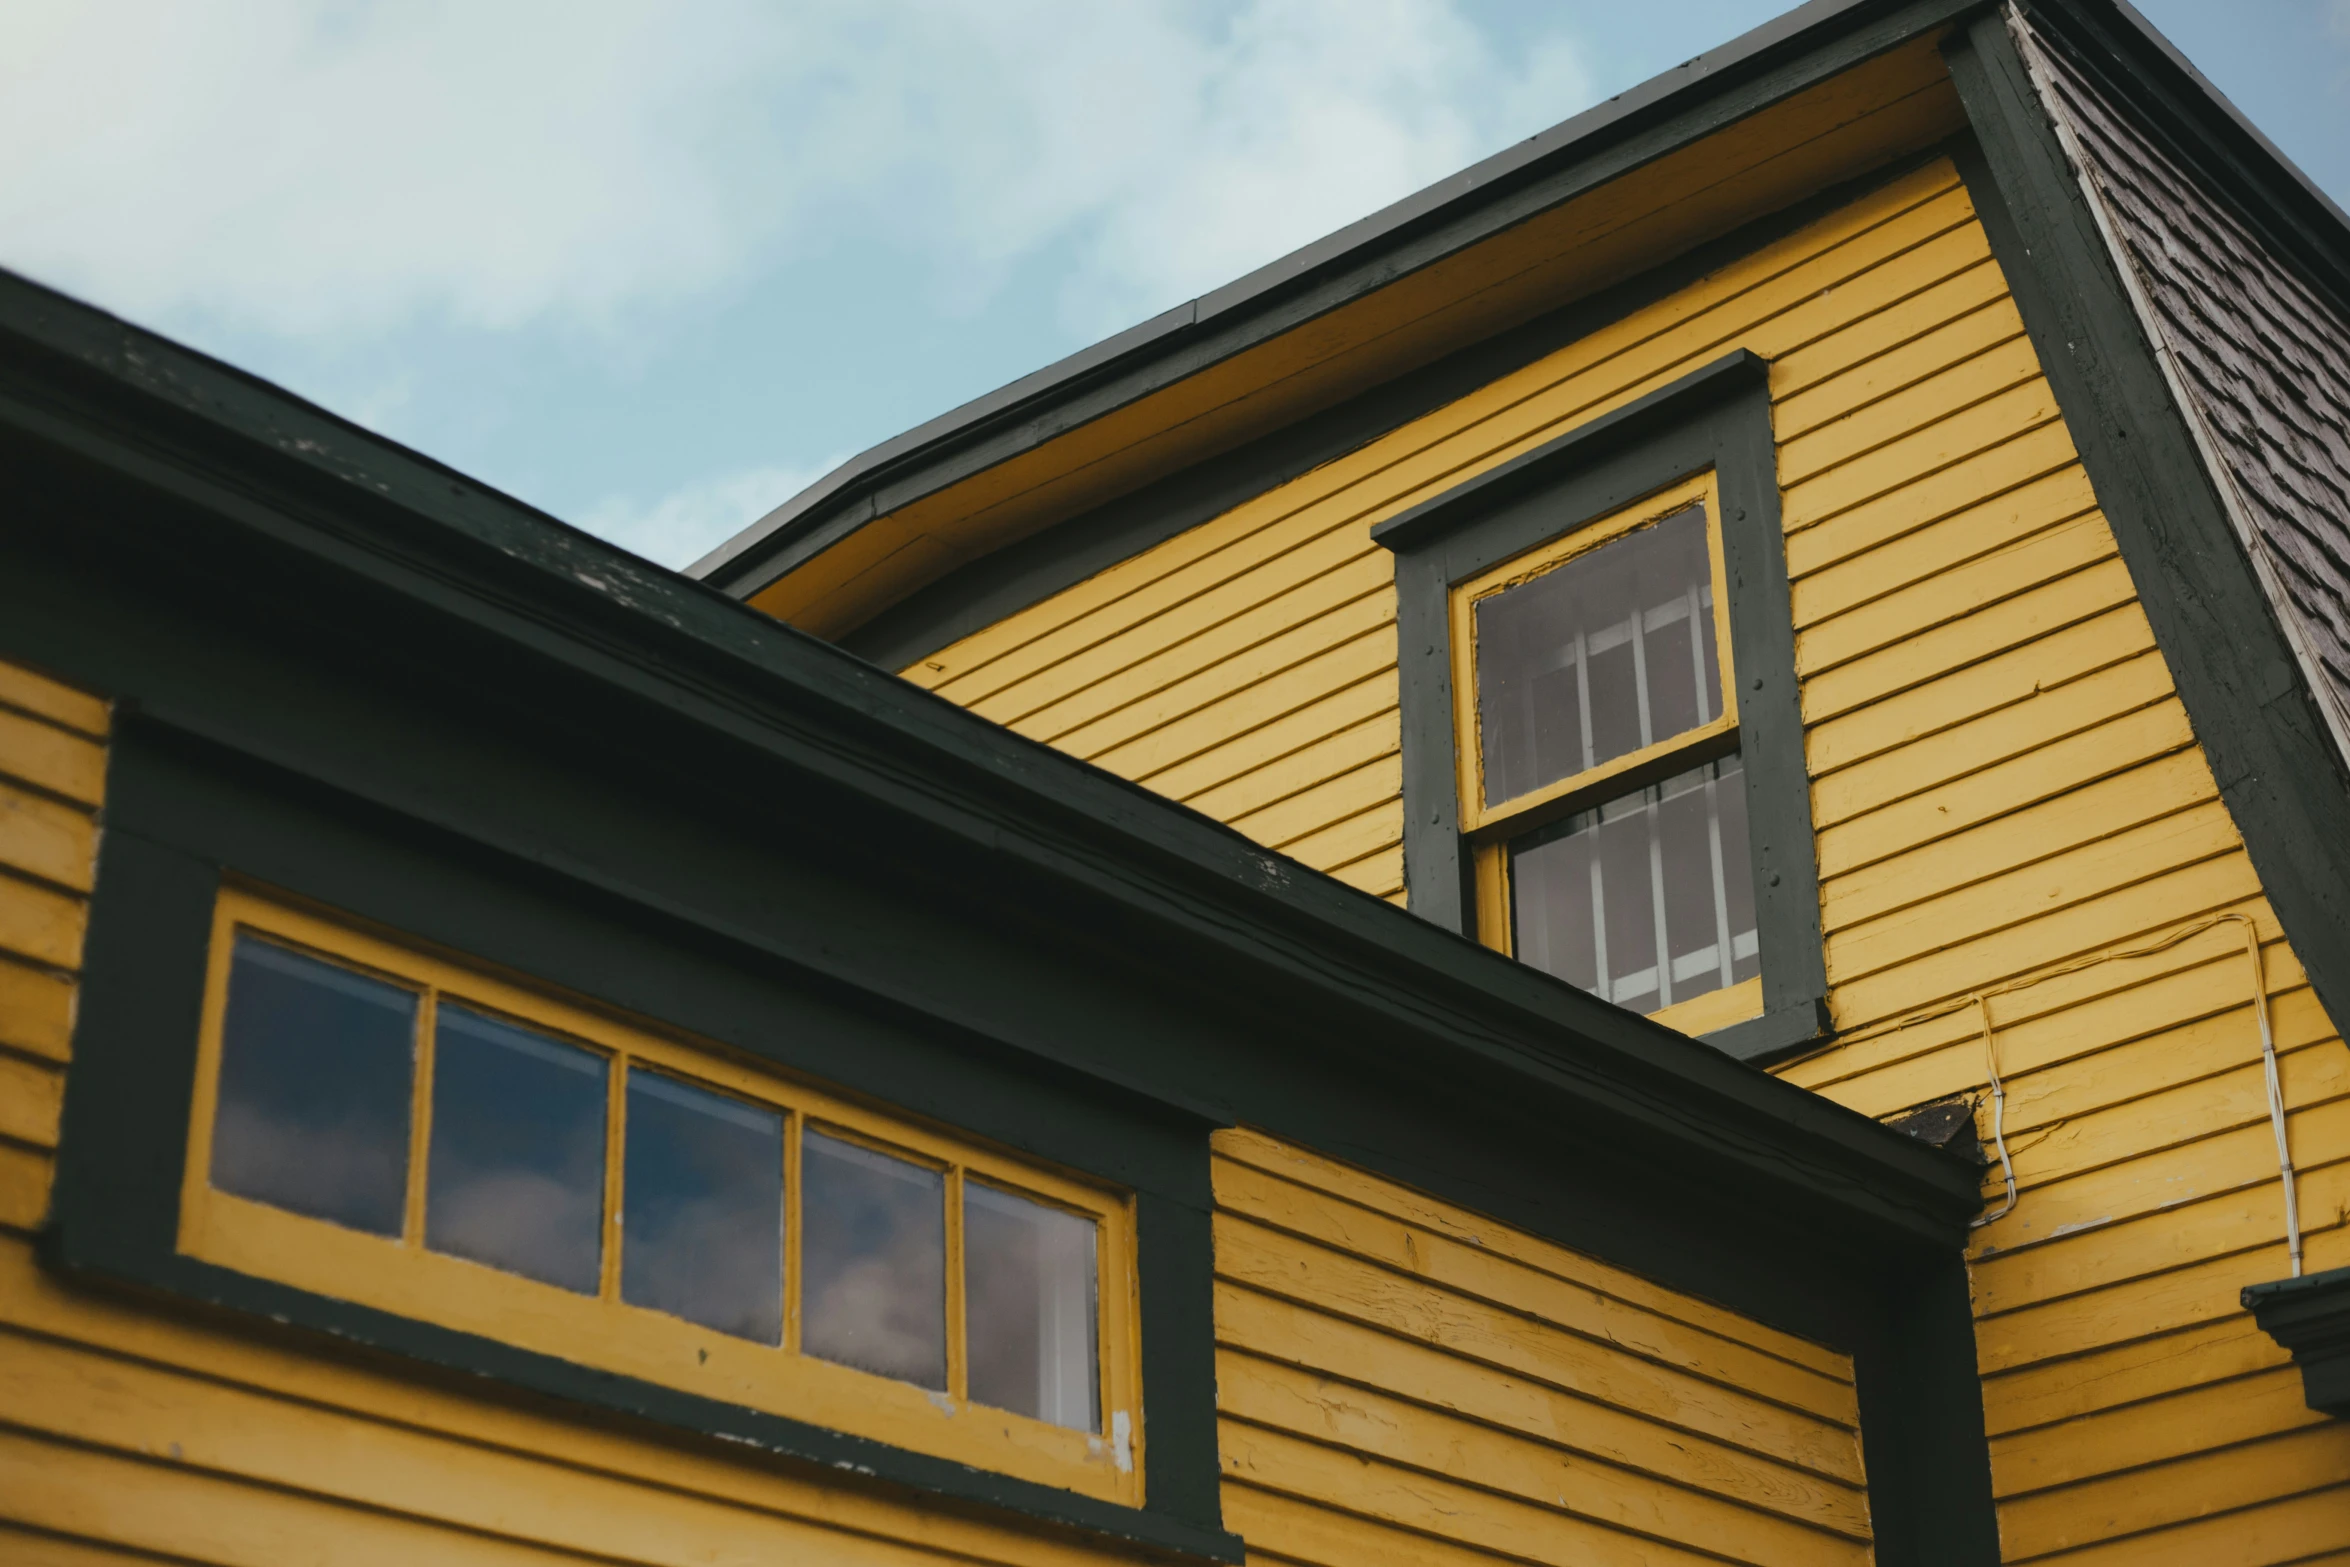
[1504, 1341]
[1878, 355]
[1427, 1505]
[2194, 1420]
[1379, 873]
[47, 838]
[1965, 711]
[1371, 698]
[2090, 926]
[2230, 1223]
[1921, 597]
[38, 695]
[1196, 673]
[1326, 758]
[2064, 1391]
[2140, 1308]
[252, 1441]
[2068, 877]
[2197, 1140]
[47, 757]
[1343, 842]
[21, 1548]
[31, 1097]
[1219, 619]
[1443, 1263]
[24, 1187]
[1334, 800]
[1360, 1420]
[1943, 861]
[36, 1011]
[1920, 455]
[357, 1396]
[2177, 1492]
[1249, 1146]
[1875, 423]
[2294, 1530]
[2013, 623]
[1869, 577]
[2120, 999]
[1364, 657]
[2055, 744]
[41, 923]
[1350, 1352]
[1999, 469]
[1286, 1528]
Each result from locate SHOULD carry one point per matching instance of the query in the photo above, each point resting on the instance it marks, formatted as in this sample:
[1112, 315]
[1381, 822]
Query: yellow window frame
[1487, 829]
[603, 1331]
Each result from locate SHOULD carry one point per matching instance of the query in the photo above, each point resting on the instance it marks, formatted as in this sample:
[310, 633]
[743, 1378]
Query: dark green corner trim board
[2258, 724]
[1784, 56]
[1717, 417]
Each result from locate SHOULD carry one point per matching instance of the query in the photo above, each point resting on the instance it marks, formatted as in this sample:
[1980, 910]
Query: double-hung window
[387, 1125]
[1600, 779]
[1603, 740]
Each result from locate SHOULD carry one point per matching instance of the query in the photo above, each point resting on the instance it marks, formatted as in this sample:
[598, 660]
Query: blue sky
[653, 267]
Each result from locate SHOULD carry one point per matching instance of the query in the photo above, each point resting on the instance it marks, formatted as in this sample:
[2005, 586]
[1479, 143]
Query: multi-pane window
[1601, 783]
[428, 1138]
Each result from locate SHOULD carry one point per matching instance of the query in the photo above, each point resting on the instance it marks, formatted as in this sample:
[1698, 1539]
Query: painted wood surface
[2003, 780]
[1404, 1381]
[143, 1432]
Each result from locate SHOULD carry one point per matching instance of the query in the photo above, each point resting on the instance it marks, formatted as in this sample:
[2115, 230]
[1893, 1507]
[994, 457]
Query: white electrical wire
[2276, 1093]
[1998, 1113]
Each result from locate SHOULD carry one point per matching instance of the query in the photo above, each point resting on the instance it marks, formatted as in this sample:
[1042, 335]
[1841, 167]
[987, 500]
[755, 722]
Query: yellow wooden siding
[2003, 780]
[136, 1432]
[1401, 1381]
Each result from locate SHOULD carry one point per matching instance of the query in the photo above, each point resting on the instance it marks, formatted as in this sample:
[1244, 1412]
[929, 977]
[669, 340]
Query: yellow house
[1644, 863]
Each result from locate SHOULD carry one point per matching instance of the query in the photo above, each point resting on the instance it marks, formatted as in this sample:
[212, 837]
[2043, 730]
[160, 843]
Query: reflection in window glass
[1029, 1307]
[702, 1207]
[873, 1261]
[1608, 653]
[1595, 898]
[515, 1174]
[314, 1074]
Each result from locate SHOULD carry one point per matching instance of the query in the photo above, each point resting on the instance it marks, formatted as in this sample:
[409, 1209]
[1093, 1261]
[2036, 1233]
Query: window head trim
[603, 1331]
[1717, 417]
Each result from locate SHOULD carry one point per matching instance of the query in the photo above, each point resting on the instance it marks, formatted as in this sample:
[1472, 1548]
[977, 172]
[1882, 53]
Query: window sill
[2310, 1316]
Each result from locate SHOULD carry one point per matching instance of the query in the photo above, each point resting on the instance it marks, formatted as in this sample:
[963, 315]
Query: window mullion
[1713, 832]
[792, 1230]
[1697, 654]
[615, 1144]
[958, 1357]
[420, 1117]
[1654, 810]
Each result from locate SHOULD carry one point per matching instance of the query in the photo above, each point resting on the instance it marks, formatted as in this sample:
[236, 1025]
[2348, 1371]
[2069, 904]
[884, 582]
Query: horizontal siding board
[2177, 1426]
[36, 1011]
[2126, 1375]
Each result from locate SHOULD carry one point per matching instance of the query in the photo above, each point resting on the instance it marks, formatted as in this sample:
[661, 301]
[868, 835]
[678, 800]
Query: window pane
[701, 1198]
[515, 1174]
[1596, 897]
[316, 1067]
[1029, 1299]
[1610, 652]
[873, 1260]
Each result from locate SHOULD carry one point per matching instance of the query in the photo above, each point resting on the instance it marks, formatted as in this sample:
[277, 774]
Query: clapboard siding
[2004, 783]
[1403, 1381]
[1247, 667]
[134, 1432]
[2263, 359]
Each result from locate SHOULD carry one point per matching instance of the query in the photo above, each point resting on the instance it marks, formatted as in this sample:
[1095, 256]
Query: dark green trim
[1786, 55]
[2310, 1316]
[998, 586]
[1718, 417]
[179, 813]
[478, 725]
[2257, 722]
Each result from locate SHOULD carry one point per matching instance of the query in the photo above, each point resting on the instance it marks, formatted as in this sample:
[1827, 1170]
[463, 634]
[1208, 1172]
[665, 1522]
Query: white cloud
[687, 523]
[341, 168]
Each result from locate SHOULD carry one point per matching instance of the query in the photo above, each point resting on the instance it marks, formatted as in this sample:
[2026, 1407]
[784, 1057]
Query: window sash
[603, 1329]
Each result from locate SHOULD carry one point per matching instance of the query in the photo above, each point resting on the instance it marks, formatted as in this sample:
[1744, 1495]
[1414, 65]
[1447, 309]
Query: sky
[653, 268]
